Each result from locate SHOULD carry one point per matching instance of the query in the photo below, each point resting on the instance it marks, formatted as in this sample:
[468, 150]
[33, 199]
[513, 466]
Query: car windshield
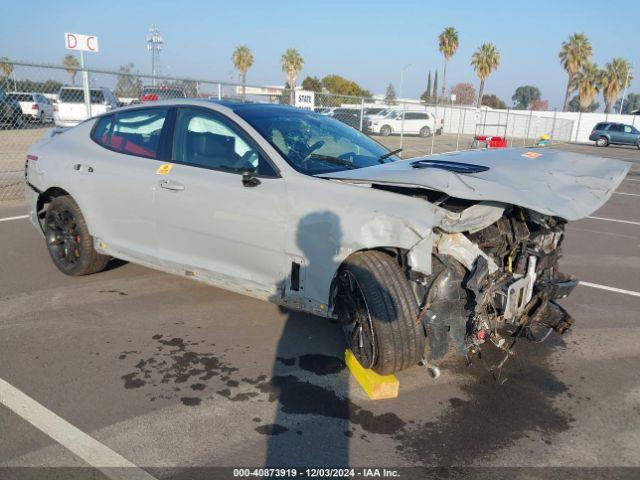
[164, 93]
[313, 143]
[22, 97]
[76, 95]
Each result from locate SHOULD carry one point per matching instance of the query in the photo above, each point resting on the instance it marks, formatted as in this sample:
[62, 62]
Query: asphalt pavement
[165, 373]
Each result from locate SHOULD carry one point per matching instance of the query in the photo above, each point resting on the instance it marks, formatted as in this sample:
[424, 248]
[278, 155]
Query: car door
[115, 179]
[616, 133]
[214, 222]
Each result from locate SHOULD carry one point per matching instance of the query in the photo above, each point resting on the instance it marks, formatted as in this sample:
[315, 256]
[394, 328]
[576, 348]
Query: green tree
[312, 83]
[524, 95]
[426, 95]
[574, 53]
[434, 94]
[614, 77]
[390, 95]
[587, 82]
[6, 69]
[242, 59]
[485, 60]
[448, 45]
[341, 86]
[128, 83]
[71, 65]
[465, 93]
[574, 105]
[492, 101]
[292, 63]
[631, 103]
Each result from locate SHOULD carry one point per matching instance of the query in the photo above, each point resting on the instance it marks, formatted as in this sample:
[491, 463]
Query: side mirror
[249, 179]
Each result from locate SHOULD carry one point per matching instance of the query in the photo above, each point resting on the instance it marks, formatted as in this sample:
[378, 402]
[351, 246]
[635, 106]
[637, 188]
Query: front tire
[385, 130]
[379, 313]
[425, 132]
[68, 239]
[602, 142]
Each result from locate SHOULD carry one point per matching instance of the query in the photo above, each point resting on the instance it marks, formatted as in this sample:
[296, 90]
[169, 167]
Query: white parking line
[630, 194]
[615, 220]
[8, 219]
[631, 180]
[96, 454]
[610, 289]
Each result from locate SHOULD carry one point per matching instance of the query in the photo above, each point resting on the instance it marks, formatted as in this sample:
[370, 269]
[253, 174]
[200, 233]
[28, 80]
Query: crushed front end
[497, 284]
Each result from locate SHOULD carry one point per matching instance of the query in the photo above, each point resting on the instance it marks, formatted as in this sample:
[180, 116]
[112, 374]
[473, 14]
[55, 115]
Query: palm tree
[485, 60]
[448, 43]
[242, 59]
[614, 77]
[71, 65]
[587, 81]
[291, 65]
[574, 53]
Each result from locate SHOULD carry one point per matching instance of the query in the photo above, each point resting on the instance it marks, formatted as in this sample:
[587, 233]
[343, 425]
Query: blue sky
[366, 41]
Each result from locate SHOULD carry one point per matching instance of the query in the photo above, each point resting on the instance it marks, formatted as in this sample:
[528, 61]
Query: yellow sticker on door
[164, 169]
[531, 155]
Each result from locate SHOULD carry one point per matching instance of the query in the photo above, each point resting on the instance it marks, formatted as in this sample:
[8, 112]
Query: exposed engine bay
[495, 285]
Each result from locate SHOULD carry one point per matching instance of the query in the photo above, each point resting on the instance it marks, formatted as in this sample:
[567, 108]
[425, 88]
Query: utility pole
[624, 92]
[154, 45]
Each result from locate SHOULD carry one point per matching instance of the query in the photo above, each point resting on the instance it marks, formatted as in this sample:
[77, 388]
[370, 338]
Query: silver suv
[297, 208]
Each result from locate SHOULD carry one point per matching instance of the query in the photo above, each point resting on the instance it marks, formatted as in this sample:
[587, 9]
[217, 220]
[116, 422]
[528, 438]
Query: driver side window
[205, 139]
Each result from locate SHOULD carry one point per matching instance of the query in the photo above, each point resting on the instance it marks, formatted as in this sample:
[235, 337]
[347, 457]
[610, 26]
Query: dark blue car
[610, 133]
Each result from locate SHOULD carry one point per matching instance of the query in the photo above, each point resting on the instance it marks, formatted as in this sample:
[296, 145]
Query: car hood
[550, 181]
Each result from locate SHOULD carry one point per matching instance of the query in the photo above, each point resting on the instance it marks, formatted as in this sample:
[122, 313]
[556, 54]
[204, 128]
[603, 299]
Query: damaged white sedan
[297, 208]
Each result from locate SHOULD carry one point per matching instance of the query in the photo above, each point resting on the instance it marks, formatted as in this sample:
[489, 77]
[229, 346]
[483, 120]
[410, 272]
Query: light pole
[624, 92]
[403, 106]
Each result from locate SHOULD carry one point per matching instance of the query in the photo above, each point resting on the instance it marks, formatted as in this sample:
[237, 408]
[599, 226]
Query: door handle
[171, 185]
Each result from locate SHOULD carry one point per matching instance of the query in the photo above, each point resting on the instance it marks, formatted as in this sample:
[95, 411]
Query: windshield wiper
[334, 160]
[387, 155]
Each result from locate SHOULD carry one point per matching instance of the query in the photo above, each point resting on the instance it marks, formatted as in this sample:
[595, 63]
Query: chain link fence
[37, 97]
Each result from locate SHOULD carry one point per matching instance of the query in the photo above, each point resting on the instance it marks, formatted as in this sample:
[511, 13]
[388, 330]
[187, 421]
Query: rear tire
[385, 130]
[602, 142]
[379, 313]
[425, 132]
[68, 239]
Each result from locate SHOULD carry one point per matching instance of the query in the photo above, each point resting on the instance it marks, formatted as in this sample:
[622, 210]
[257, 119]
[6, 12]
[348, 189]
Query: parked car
[385, 112]
[610, 133]
[153, 93]
[290, 206]
[70, 108]
[35, 106]
[10, 111]
[350, 116]
[421, 123]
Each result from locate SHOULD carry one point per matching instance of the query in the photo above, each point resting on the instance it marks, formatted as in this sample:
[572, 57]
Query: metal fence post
[402, 125]
[460, 125]
[433, 133]
[361, 113]
[528, 128]
[219, 91]
[85, 85]
[506, 123]
[553, 125]
[578, 126]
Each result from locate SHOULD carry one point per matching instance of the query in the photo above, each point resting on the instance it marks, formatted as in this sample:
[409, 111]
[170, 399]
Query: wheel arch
[47, 196]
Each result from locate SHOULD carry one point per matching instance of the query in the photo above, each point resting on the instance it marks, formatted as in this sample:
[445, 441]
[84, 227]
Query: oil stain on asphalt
[486, 417]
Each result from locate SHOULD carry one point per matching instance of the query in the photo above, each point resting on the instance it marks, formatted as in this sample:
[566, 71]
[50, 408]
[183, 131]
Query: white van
[70, 108]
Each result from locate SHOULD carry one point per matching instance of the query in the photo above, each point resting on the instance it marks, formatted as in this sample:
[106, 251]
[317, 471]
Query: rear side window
[135, 132]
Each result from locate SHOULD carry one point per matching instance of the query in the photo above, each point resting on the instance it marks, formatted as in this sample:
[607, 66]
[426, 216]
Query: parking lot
[160, 373]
